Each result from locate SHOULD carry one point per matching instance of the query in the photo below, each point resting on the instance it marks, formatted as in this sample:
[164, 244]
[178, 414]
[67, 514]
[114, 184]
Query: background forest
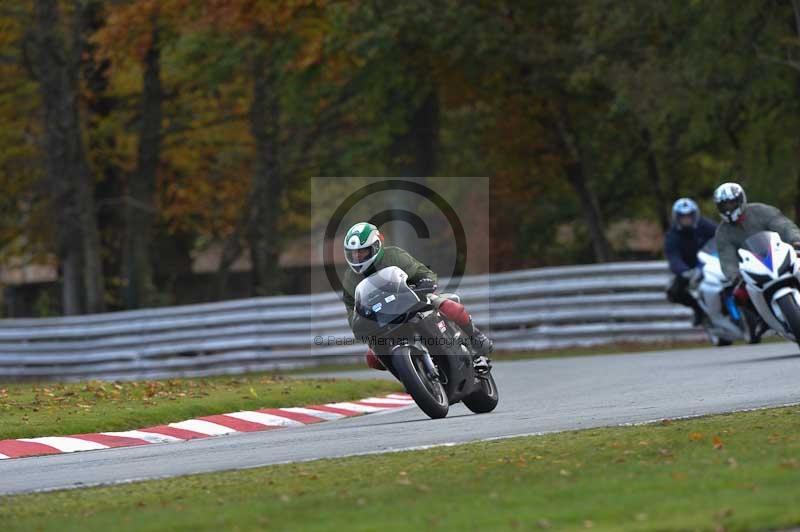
[149, 147]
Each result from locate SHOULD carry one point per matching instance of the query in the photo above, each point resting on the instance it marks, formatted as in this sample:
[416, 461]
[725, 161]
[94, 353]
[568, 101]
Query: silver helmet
[731, 201]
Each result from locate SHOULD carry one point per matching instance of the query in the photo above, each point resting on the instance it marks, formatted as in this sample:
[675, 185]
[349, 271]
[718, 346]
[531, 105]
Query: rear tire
[791, 313]
[429, 395]
[714, 338]
[484, 400]
[750, 323]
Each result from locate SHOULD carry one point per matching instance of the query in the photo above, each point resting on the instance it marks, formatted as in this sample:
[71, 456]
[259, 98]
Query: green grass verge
[728, 472]
[52, 409]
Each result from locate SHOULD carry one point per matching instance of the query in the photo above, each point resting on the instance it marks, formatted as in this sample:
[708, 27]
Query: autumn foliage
[137, 135]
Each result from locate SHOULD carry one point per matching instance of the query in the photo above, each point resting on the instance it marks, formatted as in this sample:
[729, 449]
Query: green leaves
[651, 100]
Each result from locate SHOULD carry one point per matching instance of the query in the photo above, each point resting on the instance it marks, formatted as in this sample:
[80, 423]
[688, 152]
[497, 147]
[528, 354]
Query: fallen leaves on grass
[92, 393]
[696, 436]
[94, 405]
[724, 513]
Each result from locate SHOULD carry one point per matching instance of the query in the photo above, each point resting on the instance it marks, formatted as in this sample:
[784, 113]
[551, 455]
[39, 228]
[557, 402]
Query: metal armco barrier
[523, 310]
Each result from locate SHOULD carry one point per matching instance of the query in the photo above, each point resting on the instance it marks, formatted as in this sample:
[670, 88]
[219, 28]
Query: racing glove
[425, 286]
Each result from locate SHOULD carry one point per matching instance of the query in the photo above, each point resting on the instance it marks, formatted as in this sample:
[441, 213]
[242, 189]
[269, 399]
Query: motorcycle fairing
[724, 315]
[767, 280]
[765, 258]
[385, 296]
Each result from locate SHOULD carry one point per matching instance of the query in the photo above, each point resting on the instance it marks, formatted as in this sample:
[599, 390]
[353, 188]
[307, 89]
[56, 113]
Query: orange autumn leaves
[208, 151]
[716, 441]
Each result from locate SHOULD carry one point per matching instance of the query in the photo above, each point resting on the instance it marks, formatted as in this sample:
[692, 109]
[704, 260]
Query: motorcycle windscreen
[760, 245]
[384, 296]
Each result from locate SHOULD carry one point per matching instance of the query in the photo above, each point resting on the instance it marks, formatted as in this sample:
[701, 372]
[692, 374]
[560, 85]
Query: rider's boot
[480, 343]
[697, 320]
[482, 346]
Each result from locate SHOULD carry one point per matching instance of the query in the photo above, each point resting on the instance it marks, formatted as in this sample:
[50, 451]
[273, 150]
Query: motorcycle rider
[688, 234]
[365, 254]
[740, 221]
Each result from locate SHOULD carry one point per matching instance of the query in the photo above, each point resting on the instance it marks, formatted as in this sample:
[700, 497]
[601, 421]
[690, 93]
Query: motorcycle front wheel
[428, 393]
[791, 314]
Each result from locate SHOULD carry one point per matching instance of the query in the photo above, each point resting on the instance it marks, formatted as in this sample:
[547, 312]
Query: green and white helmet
[363, 245]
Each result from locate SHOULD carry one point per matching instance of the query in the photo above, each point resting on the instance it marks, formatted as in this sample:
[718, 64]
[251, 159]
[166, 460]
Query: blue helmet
[685, 213]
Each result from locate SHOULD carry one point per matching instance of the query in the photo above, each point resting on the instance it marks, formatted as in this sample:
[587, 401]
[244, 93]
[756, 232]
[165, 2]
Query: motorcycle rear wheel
[750, 327]
[429, 394]
[715, 339]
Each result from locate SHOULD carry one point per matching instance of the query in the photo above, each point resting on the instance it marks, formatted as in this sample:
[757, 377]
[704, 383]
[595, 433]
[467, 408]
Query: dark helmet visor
[729, 205]
[687, 220]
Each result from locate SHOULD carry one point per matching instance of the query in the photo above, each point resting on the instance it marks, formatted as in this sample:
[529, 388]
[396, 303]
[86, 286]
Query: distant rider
[688, 234]
[366, 254]
[740, 221]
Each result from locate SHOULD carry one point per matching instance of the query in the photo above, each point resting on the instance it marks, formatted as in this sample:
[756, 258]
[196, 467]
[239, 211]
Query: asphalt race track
[535, 396]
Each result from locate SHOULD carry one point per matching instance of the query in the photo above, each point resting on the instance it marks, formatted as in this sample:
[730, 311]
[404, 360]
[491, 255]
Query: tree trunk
[661, 203]
[109, 185]
[413, 156]
[575, 170]
[797, 193]
[796, 10]
[57, 67]
[591, 211]
[425, 135]
[267, 185]
[93, 278]
[231, 250]
[140, 205]
[92, 265]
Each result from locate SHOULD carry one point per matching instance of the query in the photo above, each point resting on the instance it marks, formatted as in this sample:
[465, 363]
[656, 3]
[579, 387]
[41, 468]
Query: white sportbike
[724, 321]
[771, 272]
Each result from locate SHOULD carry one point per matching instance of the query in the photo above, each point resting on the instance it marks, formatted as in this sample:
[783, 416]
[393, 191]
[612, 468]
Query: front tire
[791, 314]
[484, 400]
[429, 394]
